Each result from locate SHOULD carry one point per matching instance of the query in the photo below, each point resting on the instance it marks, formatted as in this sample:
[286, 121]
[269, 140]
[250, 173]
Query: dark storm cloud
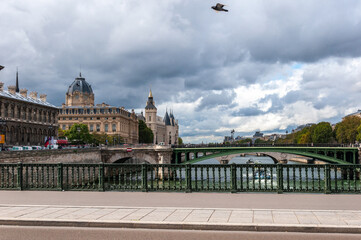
[250, 111]
[213, 100]
[183, 50]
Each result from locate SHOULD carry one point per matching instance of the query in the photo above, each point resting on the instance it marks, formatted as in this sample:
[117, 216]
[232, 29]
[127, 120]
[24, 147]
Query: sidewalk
[236, 219]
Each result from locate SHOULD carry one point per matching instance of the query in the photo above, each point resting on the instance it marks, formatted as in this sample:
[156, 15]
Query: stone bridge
[151, 155]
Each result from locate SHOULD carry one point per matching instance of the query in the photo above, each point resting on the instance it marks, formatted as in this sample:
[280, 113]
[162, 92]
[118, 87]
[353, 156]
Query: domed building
[100, 118]
[79, 93]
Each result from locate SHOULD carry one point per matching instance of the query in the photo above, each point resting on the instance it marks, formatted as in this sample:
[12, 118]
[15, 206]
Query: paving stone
[284, 217]
[262, 216]
[157, 215]
[178, 215]
[18, 213]
[79, 213]
[199, 215]
[220, 216]
[138, 214]
[56, 215]
[306, 218]
[329, 218]
[353, 222]
[117, 214]
[98, 214]
[42, 212]
[241, 216]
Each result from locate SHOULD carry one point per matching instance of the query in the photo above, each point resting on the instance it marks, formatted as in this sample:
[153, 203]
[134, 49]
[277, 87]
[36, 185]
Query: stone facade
[102, 118]
[164, 129]
[26, 119]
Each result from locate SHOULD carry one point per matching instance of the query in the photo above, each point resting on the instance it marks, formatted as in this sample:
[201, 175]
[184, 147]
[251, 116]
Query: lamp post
[2, 125]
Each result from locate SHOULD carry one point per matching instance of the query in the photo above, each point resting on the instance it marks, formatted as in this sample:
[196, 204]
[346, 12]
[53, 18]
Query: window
[114, 128]
[64, 118]
[98, 118]
[75, 118]
[85, 118]
[91, 128]
[98, 128]
[106, 118]
[70, 118]
[150, 118]
[91, 118]
[64, 127]
[106, 127]
[114, 118]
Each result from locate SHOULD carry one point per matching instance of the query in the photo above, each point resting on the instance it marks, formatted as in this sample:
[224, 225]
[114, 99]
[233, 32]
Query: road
[193, 200]
[63, 233]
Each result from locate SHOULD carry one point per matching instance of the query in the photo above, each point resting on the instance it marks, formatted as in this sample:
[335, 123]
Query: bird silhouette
[1, 67]
[219, 7]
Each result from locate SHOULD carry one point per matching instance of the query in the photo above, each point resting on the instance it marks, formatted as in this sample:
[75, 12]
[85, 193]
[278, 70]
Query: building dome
[80, 85]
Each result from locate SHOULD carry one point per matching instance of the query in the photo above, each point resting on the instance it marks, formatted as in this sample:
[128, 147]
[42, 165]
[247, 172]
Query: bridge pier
[311, 161]
[283, 161]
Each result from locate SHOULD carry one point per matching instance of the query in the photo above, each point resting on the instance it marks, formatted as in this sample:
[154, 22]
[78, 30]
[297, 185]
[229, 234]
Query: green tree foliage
[347, 130]
[358, 137]
[145, 133]
[322, 133]
[61, 133]
[244, 141]
[79, 133]
[180, 141]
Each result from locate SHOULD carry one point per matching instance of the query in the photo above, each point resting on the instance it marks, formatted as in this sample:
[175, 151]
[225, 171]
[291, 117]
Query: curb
[189, 226]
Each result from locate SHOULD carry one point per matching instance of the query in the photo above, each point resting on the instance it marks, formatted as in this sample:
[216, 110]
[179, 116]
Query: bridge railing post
[144, 177]
[20, 176]
[279, 178]
[327, 176]
[233, 178]
[188, 178]
[101, 177]
[60, 176]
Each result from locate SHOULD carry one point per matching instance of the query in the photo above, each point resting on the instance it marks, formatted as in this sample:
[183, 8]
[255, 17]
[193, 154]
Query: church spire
[150, 93]
[17, 81]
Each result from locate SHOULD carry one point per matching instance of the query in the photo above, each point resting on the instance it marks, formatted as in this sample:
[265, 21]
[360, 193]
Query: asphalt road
[63, 233]
[194, 200]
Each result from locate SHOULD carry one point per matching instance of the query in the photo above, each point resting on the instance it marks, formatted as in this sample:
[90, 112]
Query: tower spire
[150, 93]
[17, 81]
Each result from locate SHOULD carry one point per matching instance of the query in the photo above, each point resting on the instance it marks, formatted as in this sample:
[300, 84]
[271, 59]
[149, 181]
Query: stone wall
[52, 156]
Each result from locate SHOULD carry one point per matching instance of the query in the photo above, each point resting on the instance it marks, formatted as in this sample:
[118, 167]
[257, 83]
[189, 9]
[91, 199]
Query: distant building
[299, 128]
[26, 119]
[258, 135]
[164, 129]
[357, 114]
[101, 118]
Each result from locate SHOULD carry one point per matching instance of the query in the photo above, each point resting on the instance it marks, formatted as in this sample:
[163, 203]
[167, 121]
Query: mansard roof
[18, 96]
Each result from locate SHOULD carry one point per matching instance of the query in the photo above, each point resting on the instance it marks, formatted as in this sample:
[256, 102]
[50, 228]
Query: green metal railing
[182, 177]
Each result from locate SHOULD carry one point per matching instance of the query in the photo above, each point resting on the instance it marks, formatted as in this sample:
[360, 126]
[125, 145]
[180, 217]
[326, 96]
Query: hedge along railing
[182, 177]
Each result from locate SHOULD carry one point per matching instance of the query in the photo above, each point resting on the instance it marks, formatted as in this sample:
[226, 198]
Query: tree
[322, 133]
[180, 141]
[79, 133]
[305, 138]
[347, 130]
[145, 133]
[61, 133]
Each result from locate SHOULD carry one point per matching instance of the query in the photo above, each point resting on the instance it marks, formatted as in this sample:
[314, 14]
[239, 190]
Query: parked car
[16, 148]
[27, 148]
[37, 147]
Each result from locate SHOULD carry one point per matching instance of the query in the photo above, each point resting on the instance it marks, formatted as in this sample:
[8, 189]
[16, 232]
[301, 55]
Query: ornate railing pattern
[182, 177]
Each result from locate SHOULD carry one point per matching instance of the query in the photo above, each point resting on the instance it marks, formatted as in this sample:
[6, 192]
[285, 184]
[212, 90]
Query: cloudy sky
[265, 65]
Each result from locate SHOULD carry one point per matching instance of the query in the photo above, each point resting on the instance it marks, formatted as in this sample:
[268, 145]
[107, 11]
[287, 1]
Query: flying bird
[219, 7]
[1, 67]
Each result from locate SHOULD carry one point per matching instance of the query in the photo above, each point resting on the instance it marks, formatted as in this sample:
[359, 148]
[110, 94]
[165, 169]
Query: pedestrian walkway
[235, 219]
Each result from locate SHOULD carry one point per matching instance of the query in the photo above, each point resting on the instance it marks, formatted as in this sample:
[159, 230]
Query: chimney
[1, 86]
[11, 89]
[33, 95]
[43, 97]
[24, 92]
